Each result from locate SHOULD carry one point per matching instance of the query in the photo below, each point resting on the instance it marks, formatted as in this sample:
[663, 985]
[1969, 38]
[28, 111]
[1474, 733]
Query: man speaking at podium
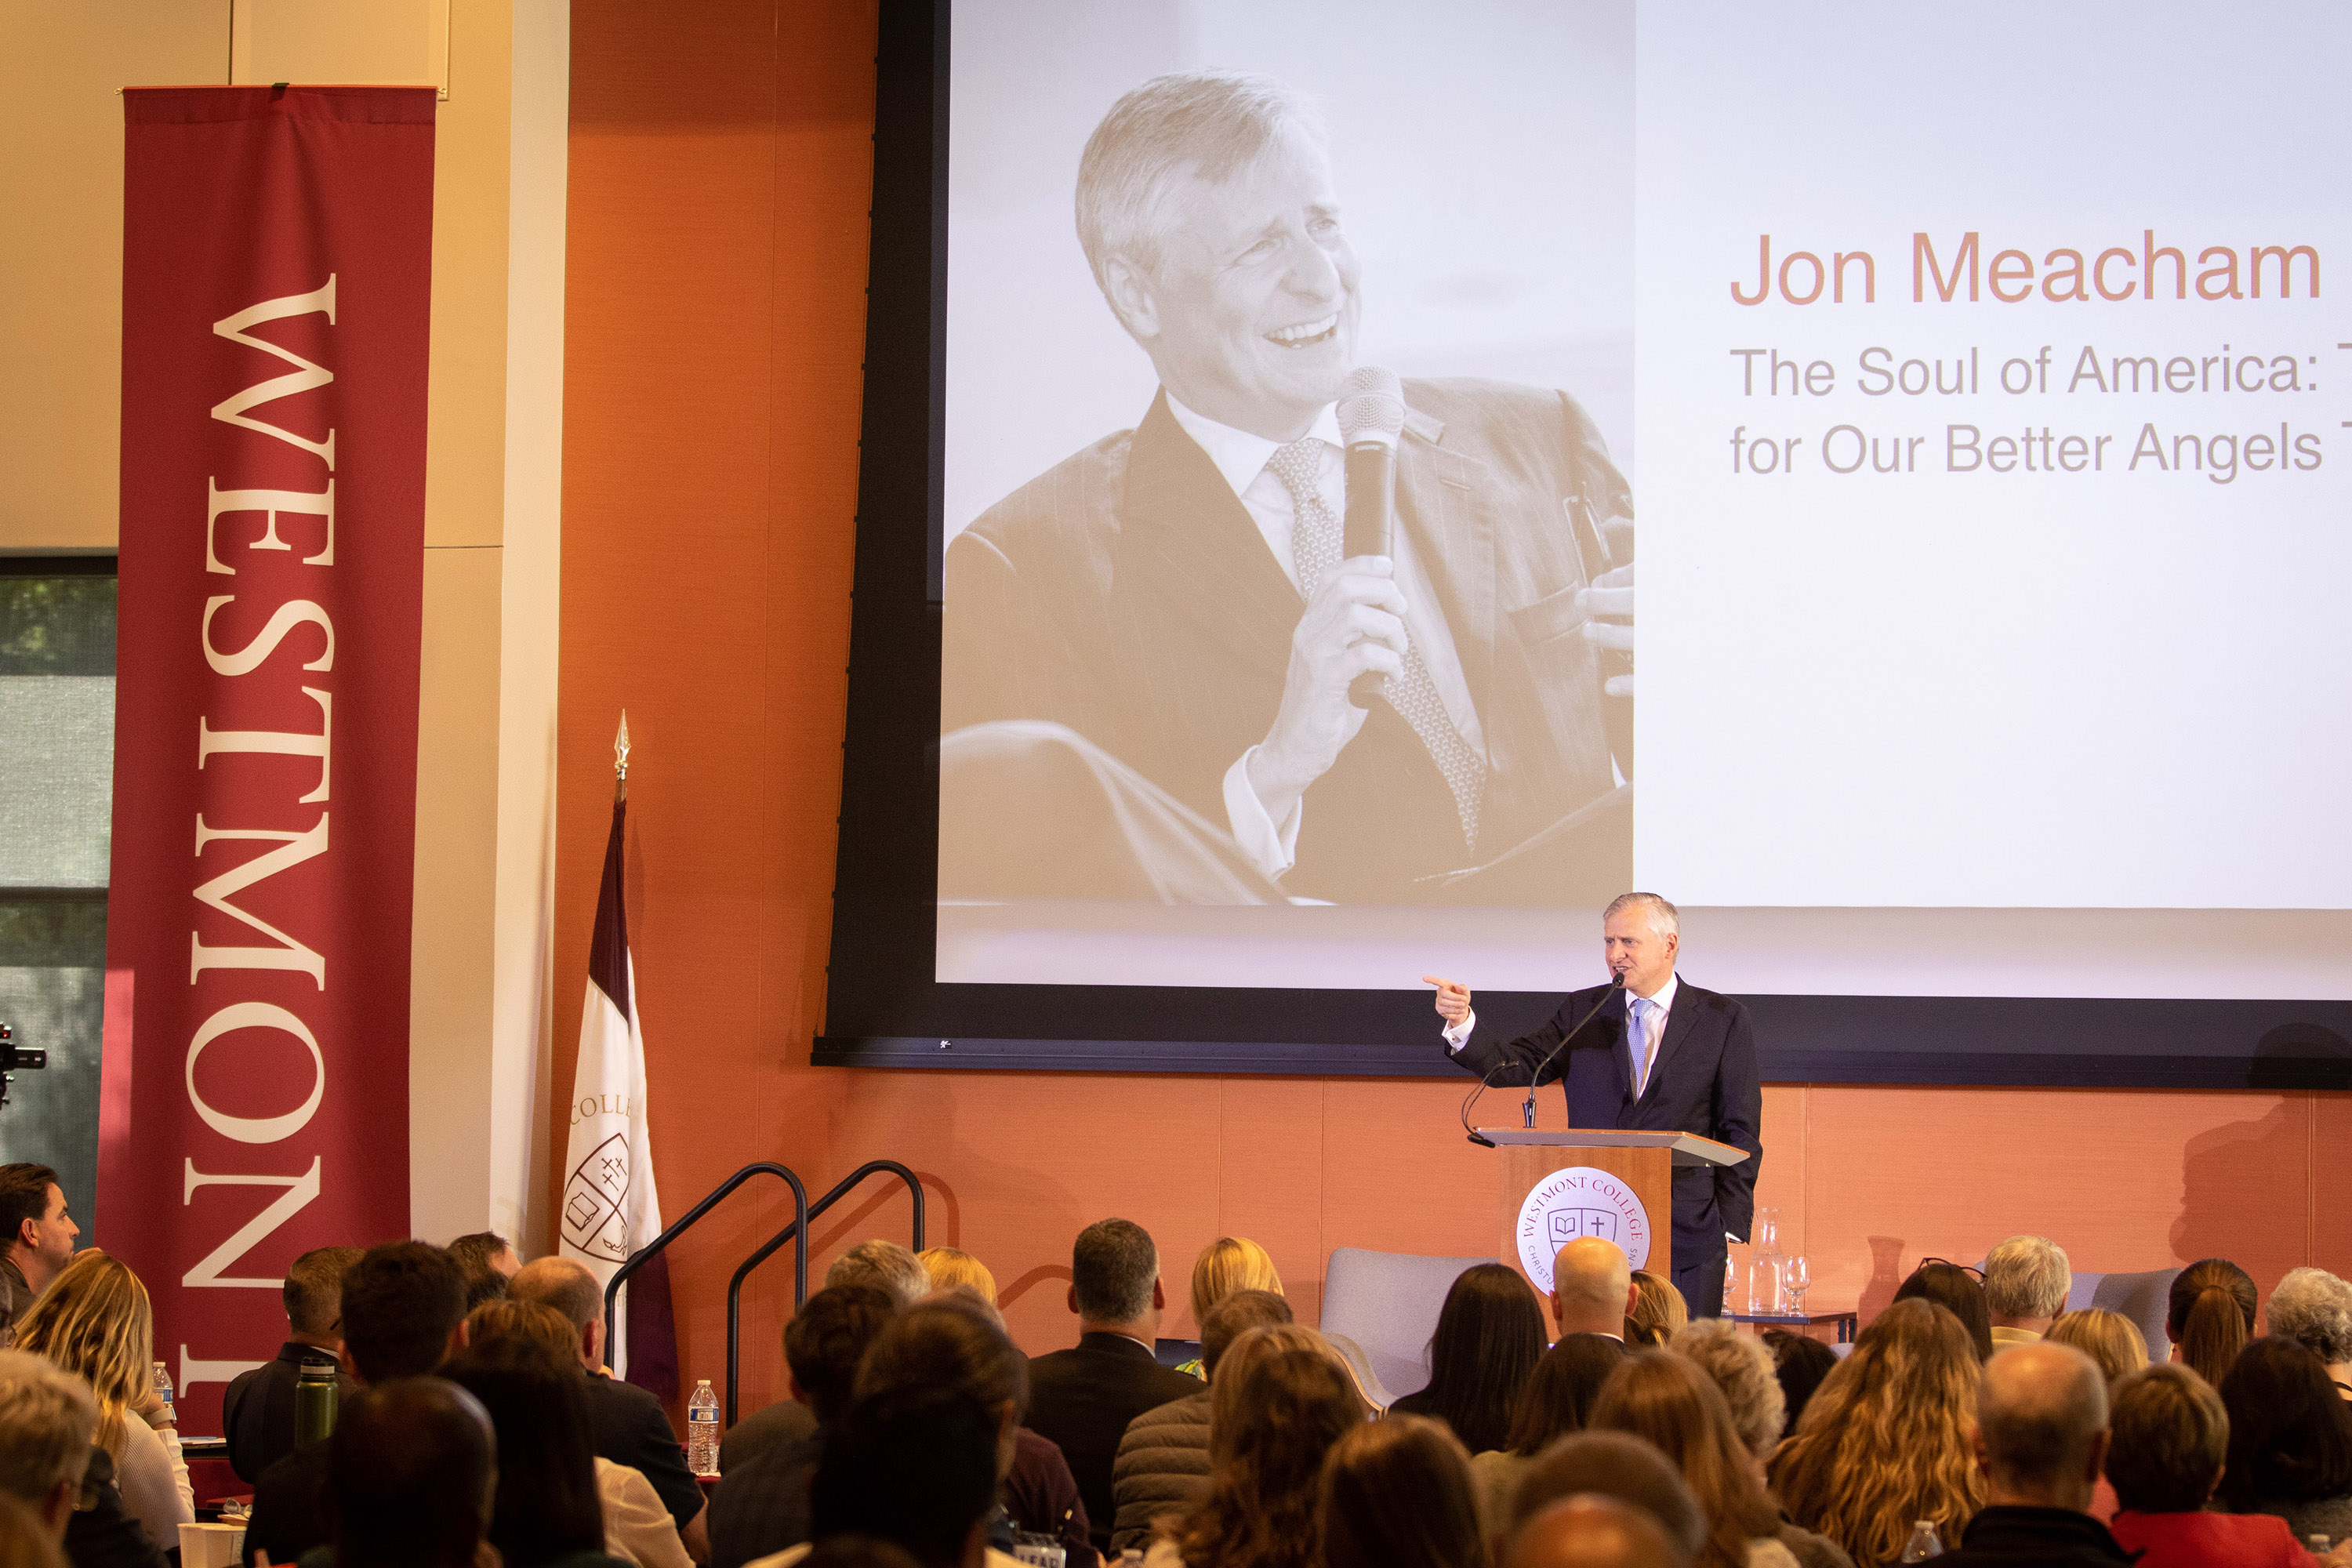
[1658, 1055]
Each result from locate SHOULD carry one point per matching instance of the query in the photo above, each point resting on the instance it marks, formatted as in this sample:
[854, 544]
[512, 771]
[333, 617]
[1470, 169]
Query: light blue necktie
[1637, 1039]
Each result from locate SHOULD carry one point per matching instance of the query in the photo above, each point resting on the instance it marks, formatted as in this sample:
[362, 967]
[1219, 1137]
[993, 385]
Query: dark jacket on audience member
[785, 1421]
[632, 1428]
[2016, 1537]
[105, 1535]
[287, 1519]
[257, 1413]
[761, 1505]
[1162, 1468]
[1042, 1496]
[1083, 1399]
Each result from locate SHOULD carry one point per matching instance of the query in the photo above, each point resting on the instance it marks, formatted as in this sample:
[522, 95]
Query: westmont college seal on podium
[1578, 1201]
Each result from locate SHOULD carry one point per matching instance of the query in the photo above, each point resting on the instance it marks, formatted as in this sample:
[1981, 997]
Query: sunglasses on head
[1963, 1268]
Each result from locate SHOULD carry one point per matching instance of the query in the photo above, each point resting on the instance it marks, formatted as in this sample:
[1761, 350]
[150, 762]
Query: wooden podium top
[1687, 1148]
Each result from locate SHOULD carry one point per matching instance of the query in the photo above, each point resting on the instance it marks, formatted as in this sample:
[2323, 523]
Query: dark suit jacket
[1703, 1081]
[105, 1535]
[289, 1515]
[761, 1504]
[259, 1412]
[1128, 594]
[632, 1428]
[785, 1421]
[1082, 1399]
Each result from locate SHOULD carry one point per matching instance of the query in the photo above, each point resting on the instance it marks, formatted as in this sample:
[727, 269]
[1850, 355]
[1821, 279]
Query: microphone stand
[1528, 1111]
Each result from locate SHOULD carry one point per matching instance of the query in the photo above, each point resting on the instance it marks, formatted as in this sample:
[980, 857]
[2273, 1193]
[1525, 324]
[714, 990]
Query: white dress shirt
[1242, 458]
[1456, 1036]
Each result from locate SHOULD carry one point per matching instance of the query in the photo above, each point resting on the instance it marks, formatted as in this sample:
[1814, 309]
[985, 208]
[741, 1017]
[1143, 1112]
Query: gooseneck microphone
[1372, 420]
[1486, 1080]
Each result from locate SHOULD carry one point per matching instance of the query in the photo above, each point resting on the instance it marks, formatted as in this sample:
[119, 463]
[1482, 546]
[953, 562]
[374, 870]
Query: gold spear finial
[621, 759]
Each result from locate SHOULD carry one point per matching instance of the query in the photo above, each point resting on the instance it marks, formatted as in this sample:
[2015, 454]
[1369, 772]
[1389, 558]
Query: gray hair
[885, 1266]
[1205, 123]
[2027, 1276]
[1113, 1266]
[48, 1418]
[1665, 919]
[1741, 1366]
[2314, 1307]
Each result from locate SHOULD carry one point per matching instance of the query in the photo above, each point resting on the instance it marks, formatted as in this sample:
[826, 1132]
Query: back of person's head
[1659, 1312]
[1399, 1494]
[2290, 1431]
[1667, 1402]
[2027, 1276]
[2314, 1307]
[2170, 1438]
[1559, 1396]
[828, 1337]
[855, 1549]
[1953, 1289]
[1113, 1266]
[1235, 1315]
[1592, 1532]
[24, 1194]
[26, 1540]
[411, 1471]
[1885, 1441]
[478, 1254]
[1590, 1278]
[912, 1466]
[1490, 1334]
[506, 1317]
[946, 1267]
[402, 1300]
[314, 1289]
[1799, 1361]
[94, 1321]
[48, 1423]
[1228, 1264]
[1742, 1371]
[2209, 1316]
[1621, 1467]
[885, 1265]
[2108, 1338]
[1279, 1402]
[547, 1502]
[2039, 1415]
[949, 1344]
[562, 1283]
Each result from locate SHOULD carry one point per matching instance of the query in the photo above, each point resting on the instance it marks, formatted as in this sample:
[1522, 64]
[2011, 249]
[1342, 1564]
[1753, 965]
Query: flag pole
[621, 762]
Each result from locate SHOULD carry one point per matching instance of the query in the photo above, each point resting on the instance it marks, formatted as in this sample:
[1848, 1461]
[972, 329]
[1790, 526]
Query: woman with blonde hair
[1228, 1264]
[1889, 1439]
[2108, 1338]
[1659, 1312]
[95, 1320]
[1398, 1494]
[950, 1267]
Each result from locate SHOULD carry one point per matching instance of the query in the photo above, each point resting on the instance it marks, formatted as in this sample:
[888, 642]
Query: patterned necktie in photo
[1315, 539]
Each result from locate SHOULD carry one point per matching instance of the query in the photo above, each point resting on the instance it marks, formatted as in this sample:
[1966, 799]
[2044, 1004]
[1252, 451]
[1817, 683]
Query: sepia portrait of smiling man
[1149, 648]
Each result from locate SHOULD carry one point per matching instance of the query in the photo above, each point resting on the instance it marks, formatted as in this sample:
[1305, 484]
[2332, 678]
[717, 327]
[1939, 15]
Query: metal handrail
[645, 1253]
[799, 1227]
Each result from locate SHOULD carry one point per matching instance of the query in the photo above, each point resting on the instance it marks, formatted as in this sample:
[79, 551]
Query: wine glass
[1796, 1279]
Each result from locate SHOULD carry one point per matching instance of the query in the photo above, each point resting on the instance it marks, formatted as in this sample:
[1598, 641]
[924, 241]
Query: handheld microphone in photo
[1372, 420]
[1535, 1078]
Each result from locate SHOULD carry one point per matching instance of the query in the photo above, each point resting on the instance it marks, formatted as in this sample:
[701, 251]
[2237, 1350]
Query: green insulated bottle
[315, 1395]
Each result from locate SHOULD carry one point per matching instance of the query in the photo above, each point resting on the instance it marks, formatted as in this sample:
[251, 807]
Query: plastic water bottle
[163, 1391]
[702, 1430]
[1924, 1542]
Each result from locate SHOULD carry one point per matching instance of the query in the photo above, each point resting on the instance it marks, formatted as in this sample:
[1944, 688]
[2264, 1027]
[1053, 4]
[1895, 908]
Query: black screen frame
[886, 1009]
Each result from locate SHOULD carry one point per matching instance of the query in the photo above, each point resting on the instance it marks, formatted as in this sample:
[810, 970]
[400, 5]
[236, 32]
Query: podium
[1619, 1186]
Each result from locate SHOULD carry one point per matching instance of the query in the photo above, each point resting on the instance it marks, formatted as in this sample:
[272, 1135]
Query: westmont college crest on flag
[609, 1206]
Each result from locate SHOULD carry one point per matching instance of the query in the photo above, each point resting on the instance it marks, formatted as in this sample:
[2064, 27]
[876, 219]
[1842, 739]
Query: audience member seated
[2025, 1283]
[1622, 1470]
[2314, 1307]
[1592, 1288]
[2169, 1440]
[1163, 1458]
[631, 1426]
[40, 1238]
[487, 1260]
[1668, 1402]
[959, 1342]
[1398, 1494]
[1960, 1290]
[637, 1527]
[885, 1265]
[257, 1413]
[2042, 1436]
[1742, 1372]
[1082, 1399]
[1801, 1362]
[1558, 1400]
[1885, 1441]
[946, 1267]
[1489, 1337]
[95, 1321]
[2209, 1316]
[25, 1542]
[2109, 1339]
[549, 1508]
[1273, 1420]
[1590, 1531]
[1228, 1264]
[404, 1313]
[761, 1504]
[2290, 1440]
[916, 1467]
[49, 1427]
[1659, 1312]
[412, 1475]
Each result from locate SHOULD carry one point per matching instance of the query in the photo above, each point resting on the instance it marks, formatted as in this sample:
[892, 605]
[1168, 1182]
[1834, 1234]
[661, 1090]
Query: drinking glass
[1796, 1279]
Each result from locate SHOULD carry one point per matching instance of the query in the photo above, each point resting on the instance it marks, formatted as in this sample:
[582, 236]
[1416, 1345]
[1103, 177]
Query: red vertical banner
[276, 287]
